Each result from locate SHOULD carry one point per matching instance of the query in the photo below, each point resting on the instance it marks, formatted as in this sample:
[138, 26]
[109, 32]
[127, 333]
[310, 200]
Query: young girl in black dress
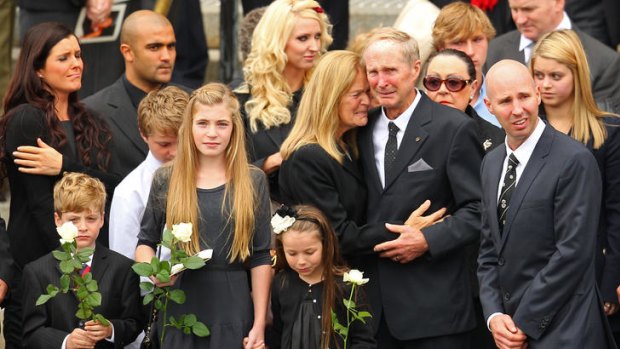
[309, 284]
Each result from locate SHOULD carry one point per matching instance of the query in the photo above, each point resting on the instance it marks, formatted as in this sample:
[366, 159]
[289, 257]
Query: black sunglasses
[452, 84]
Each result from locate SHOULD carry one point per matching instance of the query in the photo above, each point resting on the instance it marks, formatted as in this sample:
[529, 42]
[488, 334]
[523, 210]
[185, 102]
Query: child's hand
[158, 283]
[97, 331]
[257, 344]
[79, 339]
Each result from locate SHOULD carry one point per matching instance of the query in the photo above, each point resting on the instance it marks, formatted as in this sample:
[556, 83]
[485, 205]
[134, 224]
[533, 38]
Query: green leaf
[190, 320]
[99, 318]
[158, 304]
[167, 238]
[199, 329]
[364, 314]
[350, 304]
[67, 266]
[61, 256]
[83, 312]
[146, 286]
[65, 280]
[187, 330]
[43, 299]
[159, 291]
[148, 298]
[77, 265]
[88, 277]
[83, 255]
[155, 264]
[92, 285]
[77, 279]
[194, 262]
[177, 296]
[82, 293]
[143, 269]
[93, 299]
[163, 275]
[52, 290]
[165, 265]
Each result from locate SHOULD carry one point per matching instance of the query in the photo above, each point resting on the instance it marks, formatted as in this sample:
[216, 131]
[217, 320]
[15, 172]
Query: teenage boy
[159, 118]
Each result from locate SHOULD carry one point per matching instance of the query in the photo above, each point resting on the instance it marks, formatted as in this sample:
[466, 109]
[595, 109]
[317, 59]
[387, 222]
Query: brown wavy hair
[91, 132]
[309, 219]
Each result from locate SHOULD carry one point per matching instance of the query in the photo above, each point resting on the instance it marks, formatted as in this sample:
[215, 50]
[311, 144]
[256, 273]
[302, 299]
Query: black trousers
[385, 340]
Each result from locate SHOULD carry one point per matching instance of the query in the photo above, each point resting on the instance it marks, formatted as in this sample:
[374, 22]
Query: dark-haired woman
[41, 109]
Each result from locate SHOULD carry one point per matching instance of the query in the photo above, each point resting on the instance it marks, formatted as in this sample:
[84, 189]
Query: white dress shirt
[128, 204]
[380, 134]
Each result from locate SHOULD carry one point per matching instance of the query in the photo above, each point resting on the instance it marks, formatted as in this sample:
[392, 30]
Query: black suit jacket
[128, 149]
[604, 63]
[311, 176]
[6, 260]
[431, 295]
[47, 325]
[540, 270]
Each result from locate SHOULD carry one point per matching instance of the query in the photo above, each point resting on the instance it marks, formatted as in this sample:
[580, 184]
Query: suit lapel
[352, 166]
[534, 165]
[125, 115]
[99, 264]
[413, 139]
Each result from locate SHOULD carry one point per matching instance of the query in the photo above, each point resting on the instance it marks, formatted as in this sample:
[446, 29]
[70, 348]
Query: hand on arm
[506, 334]
[416, 220]
[272, 163]
[38, 160]
[410, 245]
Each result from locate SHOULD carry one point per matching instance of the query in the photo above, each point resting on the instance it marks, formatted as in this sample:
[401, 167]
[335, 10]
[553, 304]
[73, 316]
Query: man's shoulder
[509, 38]
[114, 258]
[595, 48]
[97, 99]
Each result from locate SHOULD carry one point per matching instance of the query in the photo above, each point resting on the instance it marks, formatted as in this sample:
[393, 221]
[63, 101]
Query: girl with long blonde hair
[211, 185]
[286, 44]
[560, 68]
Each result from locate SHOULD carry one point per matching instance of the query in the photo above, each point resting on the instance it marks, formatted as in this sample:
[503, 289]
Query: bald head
[512, 96]
[508, 72]
[138, 21]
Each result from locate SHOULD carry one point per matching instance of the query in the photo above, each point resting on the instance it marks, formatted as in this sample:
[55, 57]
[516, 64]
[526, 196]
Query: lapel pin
[417, 139]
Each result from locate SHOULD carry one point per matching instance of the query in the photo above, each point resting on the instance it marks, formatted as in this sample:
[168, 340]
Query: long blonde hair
[264, 67]
[182, 200]
[317, 118]
[564, 47]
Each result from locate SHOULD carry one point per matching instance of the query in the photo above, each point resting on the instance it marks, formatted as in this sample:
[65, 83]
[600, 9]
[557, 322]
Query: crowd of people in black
[477, 187]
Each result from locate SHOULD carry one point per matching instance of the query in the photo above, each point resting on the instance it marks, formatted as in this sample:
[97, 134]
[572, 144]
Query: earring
[40, 76]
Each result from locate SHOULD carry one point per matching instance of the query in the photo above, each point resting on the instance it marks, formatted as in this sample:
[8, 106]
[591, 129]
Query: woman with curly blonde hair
[286, 44]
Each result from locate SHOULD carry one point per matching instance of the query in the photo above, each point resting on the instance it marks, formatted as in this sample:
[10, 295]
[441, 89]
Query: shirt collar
[151, 162]
[402, 120]
[525, 150]
[135, 94]
[564, 24]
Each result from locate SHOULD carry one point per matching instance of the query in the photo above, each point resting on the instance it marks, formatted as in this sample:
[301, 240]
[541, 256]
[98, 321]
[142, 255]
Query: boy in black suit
[80, 199]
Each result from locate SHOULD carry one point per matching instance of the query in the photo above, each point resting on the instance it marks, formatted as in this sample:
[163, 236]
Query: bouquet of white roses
[163, 270]
[82, 284]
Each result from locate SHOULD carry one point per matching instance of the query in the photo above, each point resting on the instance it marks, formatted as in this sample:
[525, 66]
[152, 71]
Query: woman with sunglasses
[451, 80]
[560, 69]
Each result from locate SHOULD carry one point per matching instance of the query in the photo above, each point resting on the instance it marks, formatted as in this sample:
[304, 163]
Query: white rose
[182, 232]
[205, 254]
[176, 268]
[280, 224]
[355, 277]
[68, 232]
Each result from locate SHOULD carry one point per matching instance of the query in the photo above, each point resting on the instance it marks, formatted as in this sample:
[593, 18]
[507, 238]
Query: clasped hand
[411, 243]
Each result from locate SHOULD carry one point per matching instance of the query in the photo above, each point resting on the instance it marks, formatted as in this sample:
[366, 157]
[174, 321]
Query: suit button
[500, 261]
[506, 296]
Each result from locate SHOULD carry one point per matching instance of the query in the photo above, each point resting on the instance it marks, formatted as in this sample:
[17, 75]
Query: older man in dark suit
[148, 47]
[535, 18]
[412, 150]
[540, 210]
